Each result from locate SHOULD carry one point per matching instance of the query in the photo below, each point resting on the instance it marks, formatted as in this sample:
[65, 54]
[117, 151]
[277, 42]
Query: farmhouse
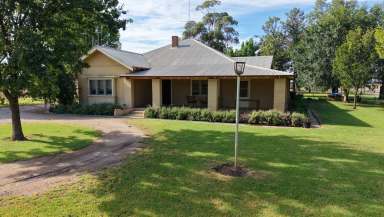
[184, 73]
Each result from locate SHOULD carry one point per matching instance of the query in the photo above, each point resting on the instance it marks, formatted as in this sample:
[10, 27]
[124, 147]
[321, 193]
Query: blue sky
[155, 21]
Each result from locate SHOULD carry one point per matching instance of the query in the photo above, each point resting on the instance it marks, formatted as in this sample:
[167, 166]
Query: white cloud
[155, 21]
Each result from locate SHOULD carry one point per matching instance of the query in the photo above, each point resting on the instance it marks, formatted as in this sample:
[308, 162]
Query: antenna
[189, 10]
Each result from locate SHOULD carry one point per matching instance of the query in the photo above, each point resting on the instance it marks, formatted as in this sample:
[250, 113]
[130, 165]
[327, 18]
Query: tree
[355, 59]
[40, 40]
[294, 28]
[216, 29]
[379, 36]
[274, 43]
[247, 48]
[328, 25]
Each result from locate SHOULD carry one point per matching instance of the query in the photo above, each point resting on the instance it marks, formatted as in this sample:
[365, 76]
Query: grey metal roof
[193, 58]
[262, 61]
[126, 58]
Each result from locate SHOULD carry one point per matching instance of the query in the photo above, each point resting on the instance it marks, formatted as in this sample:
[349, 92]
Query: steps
[137, 113]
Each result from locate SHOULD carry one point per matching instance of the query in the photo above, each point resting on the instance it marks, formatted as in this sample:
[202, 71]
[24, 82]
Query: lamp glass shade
[239, 68]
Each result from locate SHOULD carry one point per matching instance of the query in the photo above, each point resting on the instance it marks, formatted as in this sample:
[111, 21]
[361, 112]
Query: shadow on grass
[49, 145]
[308, 178]
[334, 115]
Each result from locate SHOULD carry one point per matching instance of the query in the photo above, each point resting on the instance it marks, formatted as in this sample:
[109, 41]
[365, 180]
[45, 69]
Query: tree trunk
[381, 95]
[17, 130]
[346, 95]
[355, 100]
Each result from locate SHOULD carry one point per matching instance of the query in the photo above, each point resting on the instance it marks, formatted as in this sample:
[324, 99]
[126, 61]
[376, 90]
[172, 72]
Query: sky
[155, 21]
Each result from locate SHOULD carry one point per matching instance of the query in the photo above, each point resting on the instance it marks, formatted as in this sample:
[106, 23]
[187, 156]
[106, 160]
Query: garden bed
[267, 118]
[104, 109]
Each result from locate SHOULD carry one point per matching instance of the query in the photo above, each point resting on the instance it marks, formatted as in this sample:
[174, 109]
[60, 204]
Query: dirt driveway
[41, 174]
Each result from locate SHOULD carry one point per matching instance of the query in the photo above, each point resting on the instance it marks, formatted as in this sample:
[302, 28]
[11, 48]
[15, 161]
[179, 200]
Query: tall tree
[216, 29]
[294, 28]
[40, 40]
[274, 43]
[355, 60]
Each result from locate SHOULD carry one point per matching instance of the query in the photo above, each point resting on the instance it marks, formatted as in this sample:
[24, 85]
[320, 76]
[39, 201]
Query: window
[100, 87]
[199, 87]
[244, 89]
[108, 87]
[92, 87]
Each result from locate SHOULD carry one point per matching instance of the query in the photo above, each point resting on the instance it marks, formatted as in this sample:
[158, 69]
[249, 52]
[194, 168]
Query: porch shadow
[173, 178]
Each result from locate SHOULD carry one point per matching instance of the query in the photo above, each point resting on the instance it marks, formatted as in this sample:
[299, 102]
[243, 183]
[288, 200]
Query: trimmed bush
[104, 109]
[229, 117]
[151, 112]
[271, 117]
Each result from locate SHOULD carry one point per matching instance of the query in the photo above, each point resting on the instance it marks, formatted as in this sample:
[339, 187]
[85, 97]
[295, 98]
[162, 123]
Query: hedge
[104, 109]
[270, 118]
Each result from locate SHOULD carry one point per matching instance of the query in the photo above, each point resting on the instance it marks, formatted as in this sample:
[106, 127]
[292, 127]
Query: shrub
[229, 117]
[96, 109]
[205, 115]
[151, 112]
[163, 113]
[217, 116]
[297, 119]
[255, 117]
[182, 113]
[271, 117]
[285, 119]
[194, 115]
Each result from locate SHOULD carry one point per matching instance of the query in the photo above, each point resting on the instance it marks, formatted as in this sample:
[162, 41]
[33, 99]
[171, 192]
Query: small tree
[354, 62]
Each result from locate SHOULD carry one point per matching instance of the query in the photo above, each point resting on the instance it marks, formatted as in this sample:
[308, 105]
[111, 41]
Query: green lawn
[337, 170]
[43, 139]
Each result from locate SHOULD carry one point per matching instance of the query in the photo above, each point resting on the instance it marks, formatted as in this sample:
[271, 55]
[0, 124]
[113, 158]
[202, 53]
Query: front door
[166, 92]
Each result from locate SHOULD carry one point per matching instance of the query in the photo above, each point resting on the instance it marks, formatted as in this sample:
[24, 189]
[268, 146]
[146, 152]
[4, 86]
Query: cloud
[155, 21]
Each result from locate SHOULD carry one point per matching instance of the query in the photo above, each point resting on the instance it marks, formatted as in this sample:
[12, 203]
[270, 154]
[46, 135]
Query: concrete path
[41, 174]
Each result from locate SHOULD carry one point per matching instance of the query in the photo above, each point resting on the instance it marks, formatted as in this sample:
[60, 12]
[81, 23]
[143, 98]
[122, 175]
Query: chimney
[175, 41]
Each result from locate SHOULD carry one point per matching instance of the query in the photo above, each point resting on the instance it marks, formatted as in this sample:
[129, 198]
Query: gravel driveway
[41, 174]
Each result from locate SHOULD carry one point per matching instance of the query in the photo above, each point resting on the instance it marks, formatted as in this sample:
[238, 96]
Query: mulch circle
[231, 170]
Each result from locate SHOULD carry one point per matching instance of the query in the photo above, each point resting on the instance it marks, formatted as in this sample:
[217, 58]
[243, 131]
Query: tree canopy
[355, 60]
[41, 41]
[247, 48]
[216, 29]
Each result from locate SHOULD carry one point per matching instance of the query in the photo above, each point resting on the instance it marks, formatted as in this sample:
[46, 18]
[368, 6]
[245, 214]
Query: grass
[336, 170]
[43, 139]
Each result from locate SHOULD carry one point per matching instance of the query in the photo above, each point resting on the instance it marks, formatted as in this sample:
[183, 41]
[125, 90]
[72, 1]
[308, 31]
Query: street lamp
[239, 70]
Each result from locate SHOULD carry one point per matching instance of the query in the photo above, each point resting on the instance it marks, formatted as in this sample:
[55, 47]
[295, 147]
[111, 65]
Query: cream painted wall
[125, 92]
[281, 94]
[156, 93]
[213, 94]
[101, 67]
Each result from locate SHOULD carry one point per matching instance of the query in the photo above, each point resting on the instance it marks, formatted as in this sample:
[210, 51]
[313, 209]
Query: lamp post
[239, 70]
